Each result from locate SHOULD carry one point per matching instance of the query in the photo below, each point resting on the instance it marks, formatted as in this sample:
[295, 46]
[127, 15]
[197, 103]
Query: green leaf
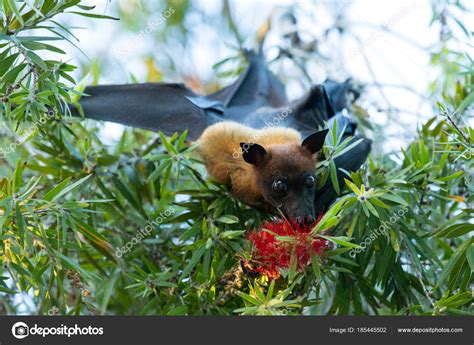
[465, 103]
[33, 45]
[371, 208]
[348, 148]
[7, 290]
[341, 240]
[270, 291]
[315, 265]
[352, 186]
[18, 179]
[453, 260]
[378, 203]
[56, 190]
[230, 234]
[108, 288]
[455, 230]
[198, 253]
[452, 176]
[12, 5]
[394, 198]
[248, 298]
[293, 265]
[227, 219]
[20, 221]
[180, 310]
[6, 64]
[37, 60]
[64, 191]
[258, 291]
[93, 15]
[470, 256]
[37, 38]
[12, 75]
[333, 173]
[157, 172]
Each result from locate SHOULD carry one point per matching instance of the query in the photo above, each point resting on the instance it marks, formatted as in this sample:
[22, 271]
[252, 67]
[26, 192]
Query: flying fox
[267, 164]
[271, 169]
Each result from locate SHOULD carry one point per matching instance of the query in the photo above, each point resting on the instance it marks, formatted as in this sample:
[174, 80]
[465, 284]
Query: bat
[271, 169]
[256, 100]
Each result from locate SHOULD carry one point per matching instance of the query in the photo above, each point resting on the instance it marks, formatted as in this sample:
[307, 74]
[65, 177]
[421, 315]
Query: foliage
[138, 228]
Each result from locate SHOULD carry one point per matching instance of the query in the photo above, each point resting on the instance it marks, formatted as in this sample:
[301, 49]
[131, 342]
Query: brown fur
[219, 147]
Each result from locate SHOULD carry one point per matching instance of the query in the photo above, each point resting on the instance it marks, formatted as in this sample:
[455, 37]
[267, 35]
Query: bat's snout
[302, 214]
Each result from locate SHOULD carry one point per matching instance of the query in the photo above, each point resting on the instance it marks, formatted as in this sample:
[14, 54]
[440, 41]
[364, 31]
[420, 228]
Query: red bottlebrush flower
[270, 255]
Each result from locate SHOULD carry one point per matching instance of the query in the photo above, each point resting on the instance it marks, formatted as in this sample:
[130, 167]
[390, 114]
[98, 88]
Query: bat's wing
[323, 103]
[256, 87]
[312, 111]
[341, 95]
[173, 107]
[306, 114]
[156, 107]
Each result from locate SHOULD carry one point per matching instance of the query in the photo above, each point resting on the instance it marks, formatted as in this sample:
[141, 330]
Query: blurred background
[397, 51]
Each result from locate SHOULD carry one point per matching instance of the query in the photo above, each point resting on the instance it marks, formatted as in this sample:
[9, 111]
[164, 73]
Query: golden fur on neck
[219, 147]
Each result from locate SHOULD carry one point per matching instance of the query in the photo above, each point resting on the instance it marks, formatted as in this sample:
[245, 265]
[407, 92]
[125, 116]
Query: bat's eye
[310, 182]
[279, 186]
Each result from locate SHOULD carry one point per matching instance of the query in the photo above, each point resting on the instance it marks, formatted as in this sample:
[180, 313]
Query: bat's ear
[314, 143]
[253, 153]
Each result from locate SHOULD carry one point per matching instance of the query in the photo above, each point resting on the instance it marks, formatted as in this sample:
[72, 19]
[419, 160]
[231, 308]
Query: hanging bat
[271, 169]
[274, 173]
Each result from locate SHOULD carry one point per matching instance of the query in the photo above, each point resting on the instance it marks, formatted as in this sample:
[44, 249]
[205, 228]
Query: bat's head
[286, 174]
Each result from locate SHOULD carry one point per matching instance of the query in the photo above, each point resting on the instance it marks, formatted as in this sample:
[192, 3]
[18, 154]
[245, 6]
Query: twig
[15, 86]
[468, 140]
[12, 88]
[419, 276]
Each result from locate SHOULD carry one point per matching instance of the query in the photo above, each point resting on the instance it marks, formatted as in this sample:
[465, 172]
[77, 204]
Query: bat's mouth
[305, 220]
[302, 216]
